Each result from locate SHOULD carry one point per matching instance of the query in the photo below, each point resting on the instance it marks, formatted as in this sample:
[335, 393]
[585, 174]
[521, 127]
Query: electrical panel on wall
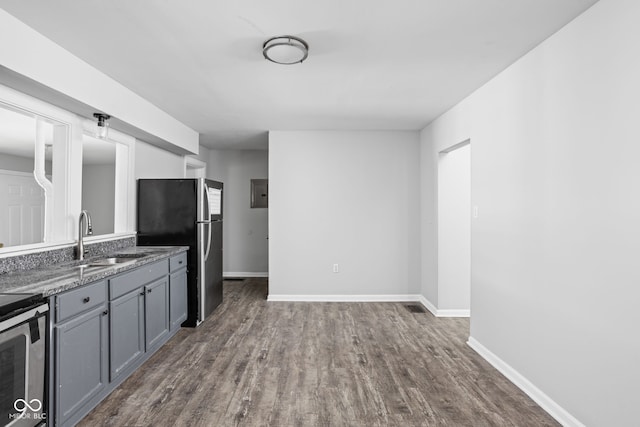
[259, 193]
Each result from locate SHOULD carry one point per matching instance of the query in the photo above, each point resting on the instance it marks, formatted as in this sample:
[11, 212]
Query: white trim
[453, 313]
[456, 146]
[344, 298]
[44, 182]
[11, 251]
[245, 274]
[108, 237]
[23, 102]
[545, 402]
[429, 305]
[197, 164]
[445, 312]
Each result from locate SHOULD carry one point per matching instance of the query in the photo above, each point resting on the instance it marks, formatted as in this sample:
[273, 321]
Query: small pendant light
[102, 127]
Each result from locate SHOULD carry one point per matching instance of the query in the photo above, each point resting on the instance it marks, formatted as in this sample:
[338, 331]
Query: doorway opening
[454, 230]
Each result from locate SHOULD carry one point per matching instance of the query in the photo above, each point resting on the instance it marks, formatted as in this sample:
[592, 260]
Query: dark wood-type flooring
[259, 363]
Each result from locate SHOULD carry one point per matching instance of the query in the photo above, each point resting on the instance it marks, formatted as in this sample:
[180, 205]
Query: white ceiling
[372, 64]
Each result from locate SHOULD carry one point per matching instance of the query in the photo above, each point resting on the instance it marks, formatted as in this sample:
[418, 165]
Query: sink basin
[112, 261]
[136, 255]
[117, 259]
[82, 266]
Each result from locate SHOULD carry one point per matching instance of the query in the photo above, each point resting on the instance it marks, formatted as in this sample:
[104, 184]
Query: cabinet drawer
[131, 280]
[178, 261]
[80, 299]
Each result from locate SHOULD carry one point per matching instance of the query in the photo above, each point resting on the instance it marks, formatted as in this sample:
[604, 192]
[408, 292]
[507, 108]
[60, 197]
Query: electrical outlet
[336, 268]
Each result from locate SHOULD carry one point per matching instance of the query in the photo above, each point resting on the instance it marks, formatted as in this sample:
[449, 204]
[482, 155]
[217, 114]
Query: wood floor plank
[259, 363]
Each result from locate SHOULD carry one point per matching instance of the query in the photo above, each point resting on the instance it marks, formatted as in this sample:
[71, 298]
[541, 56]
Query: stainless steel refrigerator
[187, 212]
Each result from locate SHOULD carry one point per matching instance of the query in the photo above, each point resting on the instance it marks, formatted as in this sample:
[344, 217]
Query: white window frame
[67, 182]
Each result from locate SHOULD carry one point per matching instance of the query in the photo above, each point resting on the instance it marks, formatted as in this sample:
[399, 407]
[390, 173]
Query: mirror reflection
[99, 183]
[26, 143]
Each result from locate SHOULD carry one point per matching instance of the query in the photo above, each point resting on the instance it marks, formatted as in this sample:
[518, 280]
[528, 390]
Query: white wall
[454, 230]
[98, 196]
[554, 251]
[245, 230]
[16, 163]
[350, 198]
[453, 129]
[154, 162]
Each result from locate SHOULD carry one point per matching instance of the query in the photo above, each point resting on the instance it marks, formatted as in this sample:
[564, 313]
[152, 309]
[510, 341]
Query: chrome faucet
[89, 230]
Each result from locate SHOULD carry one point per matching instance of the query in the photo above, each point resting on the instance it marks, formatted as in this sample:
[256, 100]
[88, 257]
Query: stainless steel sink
[111, 261]
[118, 259]
[82, 266]
[132, 255]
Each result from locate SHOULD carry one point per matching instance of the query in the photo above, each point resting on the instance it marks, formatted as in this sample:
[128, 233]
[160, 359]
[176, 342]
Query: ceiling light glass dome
[285, 50]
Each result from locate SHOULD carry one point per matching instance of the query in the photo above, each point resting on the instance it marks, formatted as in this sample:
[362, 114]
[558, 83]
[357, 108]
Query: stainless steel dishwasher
[23, 357]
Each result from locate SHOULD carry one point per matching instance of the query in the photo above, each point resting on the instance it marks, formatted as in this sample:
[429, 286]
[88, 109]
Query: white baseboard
[245, 274]
[428, 305]
[344, 298]
[442, 313]
[371, 298]
[537, 395]
[453, 313]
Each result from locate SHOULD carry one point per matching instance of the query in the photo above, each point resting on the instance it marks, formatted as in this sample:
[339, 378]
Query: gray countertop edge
[52, 280]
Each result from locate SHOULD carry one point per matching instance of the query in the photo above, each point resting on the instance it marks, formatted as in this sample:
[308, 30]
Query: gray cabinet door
[156, 311]
[177, 299]
[81, 361]
[127, 331]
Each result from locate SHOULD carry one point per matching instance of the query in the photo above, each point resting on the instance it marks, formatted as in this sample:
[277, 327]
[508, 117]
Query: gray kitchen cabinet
[177, 291]
[126, 331]
[156, 311]
[178, 299]
[105, 330]
[81, 350]
[140, 317]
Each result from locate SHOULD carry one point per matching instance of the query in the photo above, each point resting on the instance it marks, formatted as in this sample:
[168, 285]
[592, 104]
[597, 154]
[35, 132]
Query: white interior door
[21, 209]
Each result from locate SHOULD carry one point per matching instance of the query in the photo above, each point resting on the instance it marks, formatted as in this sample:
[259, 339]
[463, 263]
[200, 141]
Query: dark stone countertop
[58, 278]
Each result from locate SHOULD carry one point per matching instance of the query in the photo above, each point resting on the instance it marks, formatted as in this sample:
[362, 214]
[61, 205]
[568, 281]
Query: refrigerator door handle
[206, 253]
[206, 197]
[208, 220]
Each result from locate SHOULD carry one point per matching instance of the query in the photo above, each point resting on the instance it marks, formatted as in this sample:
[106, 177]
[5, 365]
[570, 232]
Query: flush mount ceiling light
[102, 127]
[285, 50]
